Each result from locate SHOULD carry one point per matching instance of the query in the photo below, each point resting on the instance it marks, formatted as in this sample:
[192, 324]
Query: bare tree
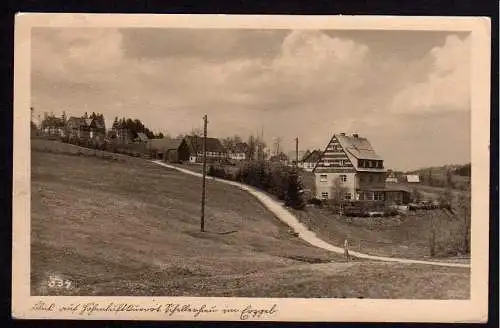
[432, 237]
[464, 212]
[196, 132]
[277, 143]
[338, 193]
[416, 195]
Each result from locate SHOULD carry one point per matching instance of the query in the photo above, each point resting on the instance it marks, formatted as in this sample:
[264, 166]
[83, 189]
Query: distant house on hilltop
[391, 178]
[293, 156]
[85, 128]
[350, 163]
[54, 126]
[191, 149]
[238, 152]
[279, 158]
[412, 178]
[141, 137]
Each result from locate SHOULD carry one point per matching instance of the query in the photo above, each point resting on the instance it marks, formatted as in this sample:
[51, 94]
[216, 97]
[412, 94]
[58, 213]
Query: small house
[78, 128]
[309, 160]
[86, 128]
[279, 158]
[292, 156]
[54, 126]
[166, 149]
[191, 150]
[238, 152]
[412, 178]
[141, 138]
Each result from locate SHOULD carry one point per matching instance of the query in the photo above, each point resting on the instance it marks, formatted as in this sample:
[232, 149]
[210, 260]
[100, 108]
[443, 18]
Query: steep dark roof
[77, 121]
[312, 157]
[358, 147]
[54, 121]
[195, 144]
[164, 144]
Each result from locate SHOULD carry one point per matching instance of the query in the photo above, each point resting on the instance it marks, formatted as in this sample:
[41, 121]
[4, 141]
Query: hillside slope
[132, 228]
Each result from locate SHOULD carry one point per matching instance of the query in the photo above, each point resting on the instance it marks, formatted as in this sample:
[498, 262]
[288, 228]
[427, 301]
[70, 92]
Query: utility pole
[205, 121]
[297, 151]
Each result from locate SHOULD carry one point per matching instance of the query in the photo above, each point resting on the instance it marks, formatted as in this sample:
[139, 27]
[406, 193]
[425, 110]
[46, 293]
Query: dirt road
[284, 215]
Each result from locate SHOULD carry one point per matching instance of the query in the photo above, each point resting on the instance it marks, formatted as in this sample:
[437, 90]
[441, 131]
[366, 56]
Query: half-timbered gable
[351, 164]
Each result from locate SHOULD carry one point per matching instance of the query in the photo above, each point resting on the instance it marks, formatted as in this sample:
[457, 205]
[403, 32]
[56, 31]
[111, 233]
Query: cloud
[302, 83]
[76, 55]
[447, 85]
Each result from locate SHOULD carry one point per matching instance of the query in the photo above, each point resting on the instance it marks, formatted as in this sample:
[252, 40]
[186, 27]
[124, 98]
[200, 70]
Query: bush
[278, 180]
[315, 201]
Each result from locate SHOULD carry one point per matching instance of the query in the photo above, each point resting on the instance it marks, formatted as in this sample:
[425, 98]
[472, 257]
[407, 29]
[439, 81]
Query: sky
[408, 92]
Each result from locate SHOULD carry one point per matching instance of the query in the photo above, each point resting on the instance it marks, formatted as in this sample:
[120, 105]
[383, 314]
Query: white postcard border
[348, 310]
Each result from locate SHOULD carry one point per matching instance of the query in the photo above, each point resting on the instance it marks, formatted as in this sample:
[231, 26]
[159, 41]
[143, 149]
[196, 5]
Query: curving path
[284, 215]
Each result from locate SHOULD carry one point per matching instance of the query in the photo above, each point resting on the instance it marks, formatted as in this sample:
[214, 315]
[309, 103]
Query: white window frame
[324, 195]
[323, 178]
[347, 196]
[343, 178]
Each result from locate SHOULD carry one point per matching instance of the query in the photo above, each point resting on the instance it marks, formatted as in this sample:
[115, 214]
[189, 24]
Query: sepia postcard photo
[254, 168]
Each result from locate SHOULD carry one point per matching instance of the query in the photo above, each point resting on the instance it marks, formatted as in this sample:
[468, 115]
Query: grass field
[406, 236]
[132, 228]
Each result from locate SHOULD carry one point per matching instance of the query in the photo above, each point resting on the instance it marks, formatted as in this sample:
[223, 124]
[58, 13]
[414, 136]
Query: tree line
[134, 126]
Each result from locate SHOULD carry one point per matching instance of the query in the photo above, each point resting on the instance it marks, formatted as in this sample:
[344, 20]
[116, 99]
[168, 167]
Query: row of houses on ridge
[83, 128]
[190, 149]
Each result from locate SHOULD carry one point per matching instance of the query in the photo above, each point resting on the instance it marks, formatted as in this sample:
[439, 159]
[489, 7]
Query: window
[324, 195]
[343, 178]
[370, 178]
[347, 195]
[379, 196]
[323, 178]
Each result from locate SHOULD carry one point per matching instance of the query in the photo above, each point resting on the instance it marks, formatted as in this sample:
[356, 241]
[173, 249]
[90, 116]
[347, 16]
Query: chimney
[355, 135]
[342, 134]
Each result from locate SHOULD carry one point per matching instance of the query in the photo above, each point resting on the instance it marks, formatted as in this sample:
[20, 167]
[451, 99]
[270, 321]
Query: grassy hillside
[132, 228]
[454, 176]
[405, 236]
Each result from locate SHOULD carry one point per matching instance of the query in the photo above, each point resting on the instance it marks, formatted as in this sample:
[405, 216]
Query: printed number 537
[55, 282]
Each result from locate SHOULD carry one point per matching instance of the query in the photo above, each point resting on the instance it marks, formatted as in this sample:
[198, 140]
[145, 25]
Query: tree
[294, 191]
[196, 132]
[416, 195]
[449, 178]
[32, 124]
[464, 205]
[446, 198]
[430, 181]
[432, 237]
[252, 147]
[338, 193]
[277, 143]
[261, 146]
[231, 142]
[116, 123]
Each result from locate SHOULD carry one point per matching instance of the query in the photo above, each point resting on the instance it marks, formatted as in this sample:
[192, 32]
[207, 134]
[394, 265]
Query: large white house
[350, 163]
